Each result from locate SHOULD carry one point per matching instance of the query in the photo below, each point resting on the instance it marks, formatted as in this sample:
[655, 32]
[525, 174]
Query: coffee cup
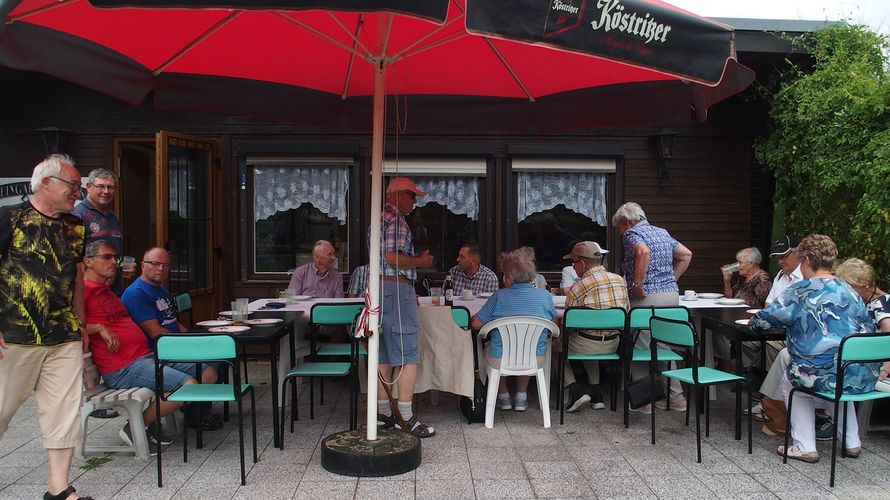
[128, 266]
[467, 294]
[690, 295]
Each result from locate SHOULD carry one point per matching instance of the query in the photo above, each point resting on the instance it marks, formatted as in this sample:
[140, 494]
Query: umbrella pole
[374, 249]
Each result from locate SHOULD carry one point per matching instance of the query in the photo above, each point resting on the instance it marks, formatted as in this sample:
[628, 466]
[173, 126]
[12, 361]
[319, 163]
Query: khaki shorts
[55, 375]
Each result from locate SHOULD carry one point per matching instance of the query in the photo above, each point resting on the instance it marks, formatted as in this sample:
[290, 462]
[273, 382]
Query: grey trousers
[640, 370]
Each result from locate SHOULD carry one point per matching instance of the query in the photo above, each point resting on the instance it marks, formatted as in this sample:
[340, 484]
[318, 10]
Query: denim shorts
[141, 373]
[398, 335]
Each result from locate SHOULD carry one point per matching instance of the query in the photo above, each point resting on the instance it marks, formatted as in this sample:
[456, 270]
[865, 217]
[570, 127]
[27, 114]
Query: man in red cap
[400, 318]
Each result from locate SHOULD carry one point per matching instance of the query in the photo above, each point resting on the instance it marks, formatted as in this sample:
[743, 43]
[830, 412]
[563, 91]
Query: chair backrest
[196, 348]
[639, 316]
[183, 302]
[461, 316]
[867, 347]
[673, 332]
[334, 313]
[519, 337]
[585, 318]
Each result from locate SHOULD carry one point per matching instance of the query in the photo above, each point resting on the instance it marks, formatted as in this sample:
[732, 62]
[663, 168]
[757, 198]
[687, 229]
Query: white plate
[752, 311]
[688, 299]
[742, 321]
[302, 297]
[486, 295]
[228, 314]
[263, 321]
[229, 329]
[729, 302]
[461, 297]
[214, 322]
[710, 295]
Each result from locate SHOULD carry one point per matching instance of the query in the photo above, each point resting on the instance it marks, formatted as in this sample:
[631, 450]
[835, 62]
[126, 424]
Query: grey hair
[319, 244]
[94, 246]
[50, 166]
[518, 266]
[101, 173]
[630, 212]
[750, 254]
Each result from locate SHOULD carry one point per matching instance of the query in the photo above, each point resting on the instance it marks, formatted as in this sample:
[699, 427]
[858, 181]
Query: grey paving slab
[556, 488]
[396, 490]
[332, 490]
[503, 488]
[434, 489]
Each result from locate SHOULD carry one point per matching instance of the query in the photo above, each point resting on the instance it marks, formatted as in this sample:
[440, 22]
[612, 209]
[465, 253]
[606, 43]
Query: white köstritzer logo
[613, 17]
[565, 7]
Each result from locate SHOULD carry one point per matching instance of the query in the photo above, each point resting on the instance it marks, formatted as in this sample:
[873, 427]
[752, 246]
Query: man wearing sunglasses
[100, 221]
[41, 313]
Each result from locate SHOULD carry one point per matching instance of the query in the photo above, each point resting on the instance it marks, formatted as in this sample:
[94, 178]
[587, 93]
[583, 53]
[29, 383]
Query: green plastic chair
[184, 305]
[201, 349]
[461, 316]
[585, 318]
[637, 321]
[681, 334]
[855, 349]
[332, 314]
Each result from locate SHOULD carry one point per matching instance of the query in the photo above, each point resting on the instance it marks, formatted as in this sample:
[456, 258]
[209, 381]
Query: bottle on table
[448, 290]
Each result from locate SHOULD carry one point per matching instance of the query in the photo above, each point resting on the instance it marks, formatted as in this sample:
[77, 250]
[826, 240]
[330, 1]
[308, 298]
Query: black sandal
[418, 429]
[63, 495]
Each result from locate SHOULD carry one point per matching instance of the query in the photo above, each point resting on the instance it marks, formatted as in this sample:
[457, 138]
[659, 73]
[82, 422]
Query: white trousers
[803, 420]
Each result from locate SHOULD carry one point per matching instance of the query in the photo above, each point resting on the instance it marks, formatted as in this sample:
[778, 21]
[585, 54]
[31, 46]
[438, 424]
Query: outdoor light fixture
[54, 139]
[664, 143]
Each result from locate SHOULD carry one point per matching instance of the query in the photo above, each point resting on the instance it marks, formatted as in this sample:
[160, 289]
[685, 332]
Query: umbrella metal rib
[197, 41]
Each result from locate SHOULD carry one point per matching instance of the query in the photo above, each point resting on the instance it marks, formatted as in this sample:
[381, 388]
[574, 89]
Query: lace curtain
[283, 187]
[582, 192]
[459, 194]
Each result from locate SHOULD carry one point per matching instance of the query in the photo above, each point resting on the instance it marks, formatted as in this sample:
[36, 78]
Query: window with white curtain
[296, 203]
[449, 213]
[560, 202]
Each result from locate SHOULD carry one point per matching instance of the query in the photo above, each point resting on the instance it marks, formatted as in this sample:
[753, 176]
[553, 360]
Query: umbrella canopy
[500, 48]
[309, 59]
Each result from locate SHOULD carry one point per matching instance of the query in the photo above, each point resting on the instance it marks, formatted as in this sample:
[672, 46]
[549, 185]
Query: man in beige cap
[597, 289]
[400, 318]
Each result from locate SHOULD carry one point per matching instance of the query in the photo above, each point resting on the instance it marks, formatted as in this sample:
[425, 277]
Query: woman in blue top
[519, 298]
[819, 312]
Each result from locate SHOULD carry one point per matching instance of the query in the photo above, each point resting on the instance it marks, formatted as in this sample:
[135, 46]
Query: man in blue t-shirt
[151, 307]
[148, 302]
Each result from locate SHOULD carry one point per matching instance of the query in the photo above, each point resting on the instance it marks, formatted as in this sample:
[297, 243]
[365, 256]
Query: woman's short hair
[856, 272]
[630, 212]
[750, 254]
[518, 266]
[819, 249]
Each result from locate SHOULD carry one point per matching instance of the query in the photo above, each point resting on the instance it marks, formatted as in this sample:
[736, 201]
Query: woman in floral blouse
[819, 312]
[750, 283]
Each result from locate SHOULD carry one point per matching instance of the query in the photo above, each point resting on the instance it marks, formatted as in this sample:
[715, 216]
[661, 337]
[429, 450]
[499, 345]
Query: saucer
[752, 311]
[729, 302]
[263, 321]
[689, 299]
[708, 295]
[229, 329]
[742, 321]
[214, 322]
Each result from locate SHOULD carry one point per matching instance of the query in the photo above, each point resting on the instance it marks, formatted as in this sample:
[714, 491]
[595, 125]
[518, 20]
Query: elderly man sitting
[120, 349]
[318, 278]
[597, 289]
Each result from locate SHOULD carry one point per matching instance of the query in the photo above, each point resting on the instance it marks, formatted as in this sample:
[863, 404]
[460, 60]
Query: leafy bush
[829, 143]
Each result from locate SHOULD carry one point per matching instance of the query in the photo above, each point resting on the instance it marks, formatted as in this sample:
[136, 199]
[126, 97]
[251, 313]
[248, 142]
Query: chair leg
[283, 406]
[834, 438]
[321, 392]
[750, 421]
[707, 416]
[698, 401]
[652, 391]
[494, 379]
[253, 423]
[294, 412]
[544, 397]
[698, 396]
[241, 440]
[312, 398]
[788, 425]
[560, 385]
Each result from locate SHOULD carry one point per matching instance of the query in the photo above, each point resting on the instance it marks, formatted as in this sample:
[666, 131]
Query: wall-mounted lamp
[55, 139]
[664, 143]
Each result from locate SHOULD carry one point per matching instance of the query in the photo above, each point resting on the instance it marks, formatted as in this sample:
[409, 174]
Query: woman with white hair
[750, 283]
[519, 298]
[653, 262]
[861, 276]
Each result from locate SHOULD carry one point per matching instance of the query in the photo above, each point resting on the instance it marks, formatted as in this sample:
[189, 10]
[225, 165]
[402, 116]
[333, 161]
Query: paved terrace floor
[591, 456]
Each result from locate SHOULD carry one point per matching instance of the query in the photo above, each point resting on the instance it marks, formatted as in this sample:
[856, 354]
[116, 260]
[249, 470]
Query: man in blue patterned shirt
[469, 274]
[400, 318]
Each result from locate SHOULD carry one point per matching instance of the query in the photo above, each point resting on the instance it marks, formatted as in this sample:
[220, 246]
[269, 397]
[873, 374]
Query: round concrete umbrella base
[349, 453]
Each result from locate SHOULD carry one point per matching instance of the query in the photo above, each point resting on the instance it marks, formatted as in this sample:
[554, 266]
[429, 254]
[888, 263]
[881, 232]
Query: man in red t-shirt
[120, 349]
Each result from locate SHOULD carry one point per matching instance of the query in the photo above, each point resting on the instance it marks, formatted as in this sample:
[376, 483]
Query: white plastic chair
[519, 336]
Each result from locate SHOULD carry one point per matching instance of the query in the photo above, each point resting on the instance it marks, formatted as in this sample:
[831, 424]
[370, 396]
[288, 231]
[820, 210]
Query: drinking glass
[238, 314]
[436, 293]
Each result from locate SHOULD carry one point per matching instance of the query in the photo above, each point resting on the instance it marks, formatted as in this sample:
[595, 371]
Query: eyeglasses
[104, 187]
[71, 184]
[103, 256]
[157, 264]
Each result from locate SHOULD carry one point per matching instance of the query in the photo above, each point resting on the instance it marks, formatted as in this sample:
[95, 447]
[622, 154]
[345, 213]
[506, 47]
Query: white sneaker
[504, 402]
[521, 404]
